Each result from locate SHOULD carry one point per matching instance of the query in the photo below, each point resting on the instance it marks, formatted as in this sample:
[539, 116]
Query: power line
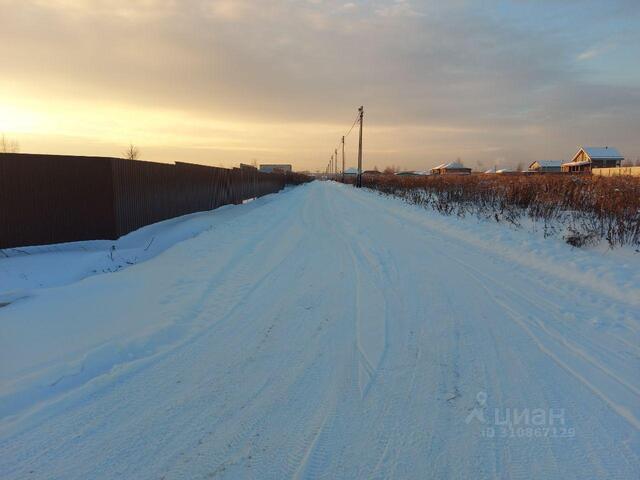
[343, 159]
[334, 159]
[354, 124]
[350, 129]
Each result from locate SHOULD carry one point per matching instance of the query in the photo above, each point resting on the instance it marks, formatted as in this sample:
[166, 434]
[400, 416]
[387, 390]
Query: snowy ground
[320, 332]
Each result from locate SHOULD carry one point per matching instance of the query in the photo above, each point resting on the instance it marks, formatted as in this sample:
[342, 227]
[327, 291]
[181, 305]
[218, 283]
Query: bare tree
[8, 146]
[132, 152]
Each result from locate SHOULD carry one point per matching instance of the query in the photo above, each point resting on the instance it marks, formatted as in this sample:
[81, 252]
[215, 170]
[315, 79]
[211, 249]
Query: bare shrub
[132, 152]
[8, 146]
[579, 239]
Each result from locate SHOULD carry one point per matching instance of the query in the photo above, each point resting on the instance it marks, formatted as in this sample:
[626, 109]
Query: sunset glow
[223, 82]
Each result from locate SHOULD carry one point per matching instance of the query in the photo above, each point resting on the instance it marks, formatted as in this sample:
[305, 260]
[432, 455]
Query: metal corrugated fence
[53, 198]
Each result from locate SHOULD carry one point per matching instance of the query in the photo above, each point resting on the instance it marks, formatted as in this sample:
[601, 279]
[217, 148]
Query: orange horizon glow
[211, 82]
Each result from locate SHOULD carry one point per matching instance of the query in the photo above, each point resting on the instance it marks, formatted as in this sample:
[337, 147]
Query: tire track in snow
[365, 261]
[292, 406]
[576, 350]
[390, 426]
[361, 261]
[535, 300]
[309, 419]
[520, 320]
[393, 214]
[546, 268]
[569, 402]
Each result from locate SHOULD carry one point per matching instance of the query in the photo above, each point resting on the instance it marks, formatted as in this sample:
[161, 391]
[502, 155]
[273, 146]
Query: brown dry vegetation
[584, 208]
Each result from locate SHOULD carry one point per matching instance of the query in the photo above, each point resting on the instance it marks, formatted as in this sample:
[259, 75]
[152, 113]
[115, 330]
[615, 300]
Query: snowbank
[49, 345]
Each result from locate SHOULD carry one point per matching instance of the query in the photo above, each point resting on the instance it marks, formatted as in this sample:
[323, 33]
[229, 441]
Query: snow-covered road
[326, 332]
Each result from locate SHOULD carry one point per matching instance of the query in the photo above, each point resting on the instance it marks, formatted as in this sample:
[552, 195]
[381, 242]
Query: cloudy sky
[229, 81]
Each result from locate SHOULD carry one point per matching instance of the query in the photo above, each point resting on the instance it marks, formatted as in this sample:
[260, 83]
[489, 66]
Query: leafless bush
[132, 152]
[588, 207]
[579, 239]
[8, 146]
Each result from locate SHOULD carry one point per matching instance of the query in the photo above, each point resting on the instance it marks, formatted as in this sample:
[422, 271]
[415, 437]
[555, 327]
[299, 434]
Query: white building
[273, 167]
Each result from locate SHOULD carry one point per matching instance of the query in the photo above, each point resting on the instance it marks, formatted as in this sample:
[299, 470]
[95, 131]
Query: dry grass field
[584, 208]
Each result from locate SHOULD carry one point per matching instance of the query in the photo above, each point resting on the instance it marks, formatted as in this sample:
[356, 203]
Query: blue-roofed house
[593, 157]
[546, 166]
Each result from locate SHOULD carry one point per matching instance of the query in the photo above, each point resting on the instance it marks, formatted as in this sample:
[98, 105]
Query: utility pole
[336, 157]
[331, 166]
[359, 178]
[343, 159]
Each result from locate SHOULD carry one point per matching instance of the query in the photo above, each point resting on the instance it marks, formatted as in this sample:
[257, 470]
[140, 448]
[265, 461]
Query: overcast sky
[229, 81]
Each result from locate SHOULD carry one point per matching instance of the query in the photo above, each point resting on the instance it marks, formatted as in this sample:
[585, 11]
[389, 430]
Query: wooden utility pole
[336, 157]
[359, 177]
[343, 159]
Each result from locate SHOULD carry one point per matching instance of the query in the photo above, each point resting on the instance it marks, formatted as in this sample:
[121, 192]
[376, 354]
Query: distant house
[275, 167]
[371, 172]
[351, 171]
[413, 174]
[546, 166]
[455, 168]
[588, 158]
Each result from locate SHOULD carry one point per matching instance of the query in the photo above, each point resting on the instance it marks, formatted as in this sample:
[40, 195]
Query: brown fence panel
[218, 185]
[51, 199]
[236, 186]
[195, 188]
[54, 199]
[144, 193]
